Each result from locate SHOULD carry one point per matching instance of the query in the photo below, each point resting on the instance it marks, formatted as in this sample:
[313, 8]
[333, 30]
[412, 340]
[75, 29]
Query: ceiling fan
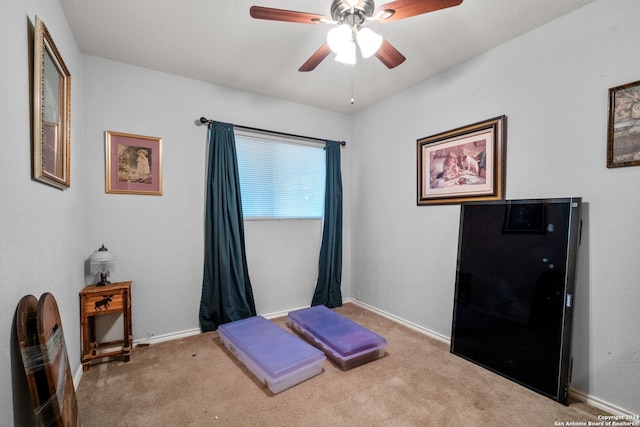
[350, 17]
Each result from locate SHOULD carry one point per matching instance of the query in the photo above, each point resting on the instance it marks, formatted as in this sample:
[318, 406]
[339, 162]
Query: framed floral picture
[134, 164]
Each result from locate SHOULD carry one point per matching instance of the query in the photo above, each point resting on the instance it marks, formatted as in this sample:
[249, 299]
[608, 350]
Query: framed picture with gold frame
[462, 165]
[52, 112]
[134, 164]
[623, 132]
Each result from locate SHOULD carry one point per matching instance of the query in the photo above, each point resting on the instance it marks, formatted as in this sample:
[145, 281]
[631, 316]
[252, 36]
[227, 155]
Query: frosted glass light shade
[339, 37]
[369, 42]
[348, 54]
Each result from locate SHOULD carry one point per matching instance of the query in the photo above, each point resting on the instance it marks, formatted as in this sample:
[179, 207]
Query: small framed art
[463, 164]
[134, 164]
[623, 133]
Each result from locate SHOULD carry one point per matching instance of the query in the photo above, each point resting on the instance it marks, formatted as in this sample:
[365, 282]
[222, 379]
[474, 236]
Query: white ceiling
[217, 41]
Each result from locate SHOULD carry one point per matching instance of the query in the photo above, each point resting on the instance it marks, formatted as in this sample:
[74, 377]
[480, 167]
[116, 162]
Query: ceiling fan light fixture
[339, 37]
[369, 42]
[348, 54]
[350, 16]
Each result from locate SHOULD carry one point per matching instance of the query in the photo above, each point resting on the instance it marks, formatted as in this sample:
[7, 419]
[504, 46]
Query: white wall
[552, 84]
[42, 229]
[159, 240]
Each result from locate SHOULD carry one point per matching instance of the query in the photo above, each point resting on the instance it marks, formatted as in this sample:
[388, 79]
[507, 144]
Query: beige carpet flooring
[195, 381]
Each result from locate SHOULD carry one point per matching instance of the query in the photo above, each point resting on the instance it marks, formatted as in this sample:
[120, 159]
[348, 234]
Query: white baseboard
[77, 376]
[156, 339]
[281, 313]
[601, 404]
[577, 394]
[400, 320]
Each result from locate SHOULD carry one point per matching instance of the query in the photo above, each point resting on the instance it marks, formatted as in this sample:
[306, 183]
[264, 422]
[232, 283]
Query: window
[280, 177]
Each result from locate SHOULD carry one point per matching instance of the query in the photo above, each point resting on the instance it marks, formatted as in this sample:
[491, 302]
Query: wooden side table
[98, 300]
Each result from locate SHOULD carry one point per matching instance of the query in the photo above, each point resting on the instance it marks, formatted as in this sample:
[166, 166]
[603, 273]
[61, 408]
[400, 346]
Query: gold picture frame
[51, 112]
[462, 165]
[623, 131]
[133, 164]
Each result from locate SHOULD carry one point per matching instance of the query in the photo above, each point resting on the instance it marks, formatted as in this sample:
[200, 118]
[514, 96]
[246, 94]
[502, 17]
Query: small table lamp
[103, 262]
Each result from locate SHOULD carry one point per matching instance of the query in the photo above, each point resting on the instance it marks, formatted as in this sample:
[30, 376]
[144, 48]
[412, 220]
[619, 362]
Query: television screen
[513, 298]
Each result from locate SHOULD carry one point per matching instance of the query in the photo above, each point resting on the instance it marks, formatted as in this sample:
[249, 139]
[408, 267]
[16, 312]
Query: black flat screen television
[515, 282]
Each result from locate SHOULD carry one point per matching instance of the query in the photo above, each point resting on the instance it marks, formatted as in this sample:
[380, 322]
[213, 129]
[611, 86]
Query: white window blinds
[280, 177]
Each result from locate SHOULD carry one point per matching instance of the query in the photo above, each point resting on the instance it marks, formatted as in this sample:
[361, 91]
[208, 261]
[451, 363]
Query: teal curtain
[226, 288]
[328, 290]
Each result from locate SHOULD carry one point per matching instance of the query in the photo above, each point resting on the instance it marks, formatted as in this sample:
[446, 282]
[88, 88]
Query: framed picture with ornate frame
[463, 164]
[51, 112]
[134, 164]
[623, 133]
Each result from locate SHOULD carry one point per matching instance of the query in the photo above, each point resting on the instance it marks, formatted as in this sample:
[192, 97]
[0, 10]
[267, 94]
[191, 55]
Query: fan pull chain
[353, 100]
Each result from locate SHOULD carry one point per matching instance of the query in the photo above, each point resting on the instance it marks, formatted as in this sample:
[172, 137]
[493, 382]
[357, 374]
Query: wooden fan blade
[408, 8]
[316, 58]
[259, 12]
[389, 55]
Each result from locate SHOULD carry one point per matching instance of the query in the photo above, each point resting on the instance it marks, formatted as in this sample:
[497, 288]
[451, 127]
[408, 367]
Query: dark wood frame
[448, 170]
[623, 133]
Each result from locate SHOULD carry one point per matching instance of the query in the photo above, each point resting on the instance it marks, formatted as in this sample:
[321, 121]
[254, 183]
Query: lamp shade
[339, 37]
[348, 54]
[369, 42]
[102, 262]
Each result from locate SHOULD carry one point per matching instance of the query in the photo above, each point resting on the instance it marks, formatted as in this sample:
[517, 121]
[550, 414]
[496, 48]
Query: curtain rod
[204, 120]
